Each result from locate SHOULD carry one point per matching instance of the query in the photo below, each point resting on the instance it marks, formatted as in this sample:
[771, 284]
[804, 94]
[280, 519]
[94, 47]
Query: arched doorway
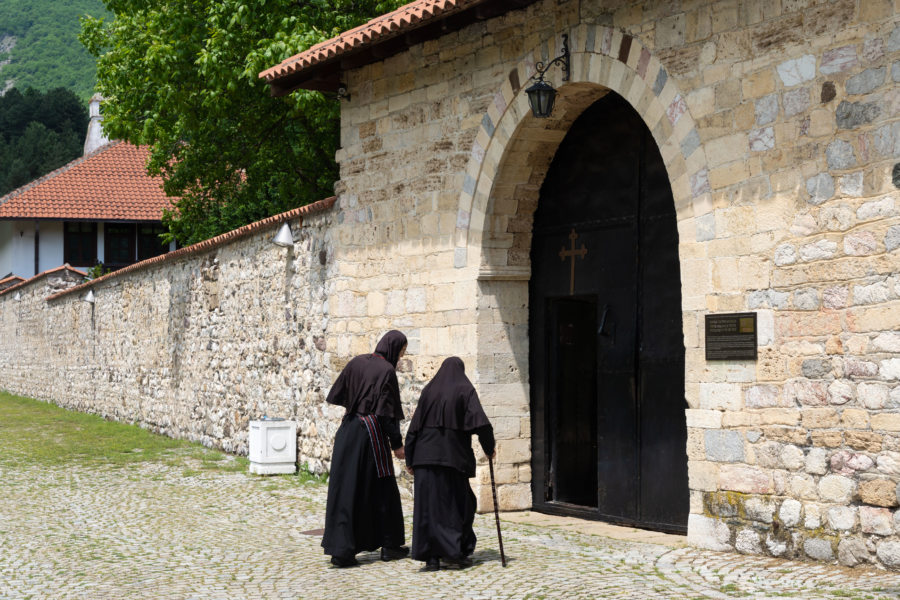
[606, 343]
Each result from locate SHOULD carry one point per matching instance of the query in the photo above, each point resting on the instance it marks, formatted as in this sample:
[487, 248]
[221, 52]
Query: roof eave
[327, 74]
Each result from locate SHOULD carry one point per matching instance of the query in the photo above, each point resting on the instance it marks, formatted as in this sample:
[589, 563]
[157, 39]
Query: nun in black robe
[439, 454]
[363, 511]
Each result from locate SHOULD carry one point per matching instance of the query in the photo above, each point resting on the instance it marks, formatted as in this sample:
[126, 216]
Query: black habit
[439, 449]
[363, 511]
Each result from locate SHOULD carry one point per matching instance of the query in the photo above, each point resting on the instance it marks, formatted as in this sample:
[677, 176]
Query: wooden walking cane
[496, 511]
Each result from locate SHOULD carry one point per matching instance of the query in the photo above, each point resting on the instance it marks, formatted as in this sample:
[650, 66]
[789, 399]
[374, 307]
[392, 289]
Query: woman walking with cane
[439, 454]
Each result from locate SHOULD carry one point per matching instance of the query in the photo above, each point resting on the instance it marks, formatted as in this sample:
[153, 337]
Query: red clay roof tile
[402, 20]
[109, 184]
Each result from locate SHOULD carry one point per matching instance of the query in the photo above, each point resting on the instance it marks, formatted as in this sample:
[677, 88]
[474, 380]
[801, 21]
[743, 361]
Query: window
[118, 244]
[149, 244]
[80, 244]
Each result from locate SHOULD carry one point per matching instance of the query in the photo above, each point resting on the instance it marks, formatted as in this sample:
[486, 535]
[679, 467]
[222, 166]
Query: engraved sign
[731, 336]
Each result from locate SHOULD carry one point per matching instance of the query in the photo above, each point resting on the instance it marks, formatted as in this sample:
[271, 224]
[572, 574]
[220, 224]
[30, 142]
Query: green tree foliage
[39, 132]
[47, 53]
[182, 77]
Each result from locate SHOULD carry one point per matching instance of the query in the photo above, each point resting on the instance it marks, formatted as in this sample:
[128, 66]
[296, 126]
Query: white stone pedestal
[273, 447]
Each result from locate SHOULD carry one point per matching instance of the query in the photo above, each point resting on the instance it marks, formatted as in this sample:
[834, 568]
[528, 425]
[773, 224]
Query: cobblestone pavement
[155, 531]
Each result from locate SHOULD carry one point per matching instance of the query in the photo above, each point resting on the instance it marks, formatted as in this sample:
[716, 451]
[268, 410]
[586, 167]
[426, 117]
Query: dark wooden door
[607, 356]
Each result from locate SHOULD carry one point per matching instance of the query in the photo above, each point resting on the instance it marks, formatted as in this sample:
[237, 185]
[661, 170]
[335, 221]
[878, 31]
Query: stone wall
[778, 124]
[192, 346]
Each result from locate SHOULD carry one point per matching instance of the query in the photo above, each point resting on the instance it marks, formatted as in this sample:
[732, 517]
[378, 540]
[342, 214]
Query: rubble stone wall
[192, 348]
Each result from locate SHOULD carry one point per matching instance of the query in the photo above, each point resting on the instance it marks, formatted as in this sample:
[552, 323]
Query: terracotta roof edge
[40, 275]
[382, 27]
[207, 245]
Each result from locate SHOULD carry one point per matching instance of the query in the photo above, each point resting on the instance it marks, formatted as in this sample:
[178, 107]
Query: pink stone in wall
[477, 152]
[745, 479]
[838, 59]
[762, 139]
[643, 62]
[500, 102]
[845, 462]
[676, 109]
[606, 43]
[873, 49]
[860, 368]
[860, 243]
[806, 392]
[700, 182]
[835, 297]
[875, 520]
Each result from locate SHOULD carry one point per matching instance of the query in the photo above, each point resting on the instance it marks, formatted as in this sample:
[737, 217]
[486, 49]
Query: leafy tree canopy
[182, 77]
[39, 132]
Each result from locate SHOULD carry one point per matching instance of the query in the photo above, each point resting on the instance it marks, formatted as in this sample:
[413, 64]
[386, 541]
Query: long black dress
[439, 449]
[363, 511]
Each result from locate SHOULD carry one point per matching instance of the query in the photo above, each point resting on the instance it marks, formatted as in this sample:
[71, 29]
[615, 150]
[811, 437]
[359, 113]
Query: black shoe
[344, 561]
[394, 553]
[432, 564]
[462, 563]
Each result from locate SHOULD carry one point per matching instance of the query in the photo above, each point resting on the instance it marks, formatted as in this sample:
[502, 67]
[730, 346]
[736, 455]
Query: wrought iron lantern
[541, 94]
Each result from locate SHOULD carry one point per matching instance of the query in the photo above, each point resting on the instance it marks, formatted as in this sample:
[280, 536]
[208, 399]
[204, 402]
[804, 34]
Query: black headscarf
[449, 400]
[390, 346]
[368, 384]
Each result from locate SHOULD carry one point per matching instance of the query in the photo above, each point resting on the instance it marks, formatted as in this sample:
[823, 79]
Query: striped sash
[383, 462]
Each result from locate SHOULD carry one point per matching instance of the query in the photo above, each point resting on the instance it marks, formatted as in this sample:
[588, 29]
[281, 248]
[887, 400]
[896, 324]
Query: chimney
[95, 137]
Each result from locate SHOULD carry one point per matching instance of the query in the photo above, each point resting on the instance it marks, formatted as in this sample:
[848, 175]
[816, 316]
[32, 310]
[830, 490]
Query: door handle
[600, 329]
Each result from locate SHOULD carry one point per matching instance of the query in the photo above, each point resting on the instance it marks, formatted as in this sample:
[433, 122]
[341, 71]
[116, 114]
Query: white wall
[51, 255]
[23, 248]
[6, 251]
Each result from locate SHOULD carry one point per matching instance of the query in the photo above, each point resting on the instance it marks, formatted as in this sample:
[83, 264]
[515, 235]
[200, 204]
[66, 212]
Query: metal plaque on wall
[731, 336]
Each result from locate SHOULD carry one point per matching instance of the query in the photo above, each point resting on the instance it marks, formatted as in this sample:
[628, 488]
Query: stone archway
[509, 159]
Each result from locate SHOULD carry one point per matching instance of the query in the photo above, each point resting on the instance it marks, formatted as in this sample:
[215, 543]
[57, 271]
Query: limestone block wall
[191, 347]
[778, 124]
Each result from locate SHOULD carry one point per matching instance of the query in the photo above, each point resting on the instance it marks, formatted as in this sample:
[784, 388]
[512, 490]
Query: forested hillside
[39, 132]
[46, 53]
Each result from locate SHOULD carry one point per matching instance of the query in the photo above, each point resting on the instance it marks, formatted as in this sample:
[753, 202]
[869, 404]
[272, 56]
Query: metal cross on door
[563, 254]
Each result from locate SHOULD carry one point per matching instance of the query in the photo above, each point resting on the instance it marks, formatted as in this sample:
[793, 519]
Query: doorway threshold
[591, 527]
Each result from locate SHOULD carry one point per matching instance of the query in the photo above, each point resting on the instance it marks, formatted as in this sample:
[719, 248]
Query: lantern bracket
[562, 60]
